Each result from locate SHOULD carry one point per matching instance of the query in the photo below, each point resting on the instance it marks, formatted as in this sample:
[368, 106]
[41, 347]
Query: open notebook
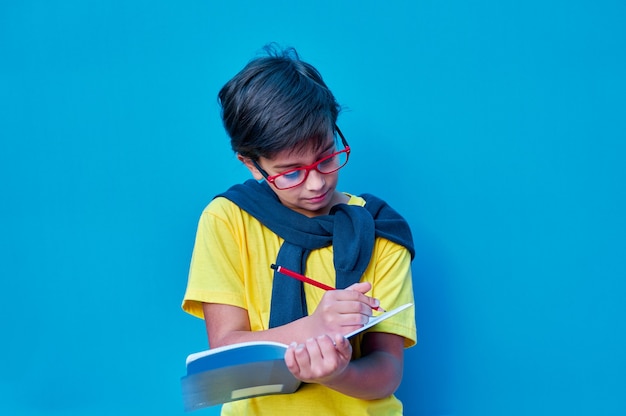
[244, 370]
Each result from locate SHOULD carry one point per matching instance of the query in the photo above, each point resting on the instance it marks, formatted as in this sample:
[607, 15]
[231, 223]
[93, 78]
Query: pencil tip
[273, 266]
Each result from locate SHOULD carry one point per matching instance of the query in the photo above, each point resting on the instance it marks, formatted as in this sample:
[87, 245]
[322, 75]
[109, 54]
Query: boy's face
[317, 194]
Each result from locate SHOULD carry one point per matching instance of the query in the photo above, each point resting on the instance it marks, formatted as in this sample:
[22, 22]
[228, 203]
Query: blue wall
[497, 128]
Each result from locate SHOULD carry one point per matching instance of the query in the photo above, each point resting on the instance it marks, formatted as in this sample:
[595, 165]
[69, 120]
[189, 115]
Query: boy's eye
[293, 175]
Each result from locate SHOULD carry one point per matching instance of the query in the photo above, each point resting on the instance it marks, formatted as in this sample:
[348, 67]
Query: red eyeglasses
[296, 177]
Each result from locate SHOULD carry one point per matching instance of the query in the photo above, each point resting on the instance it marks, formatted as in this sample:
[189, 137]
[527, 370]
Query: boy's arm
[327, 361]
[339, 312]
[315, 357]
[227, 324]
[319, 359]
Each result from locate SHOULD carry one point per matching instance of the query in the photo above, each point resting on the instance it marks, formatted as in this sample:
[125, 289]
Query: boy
[281, 118]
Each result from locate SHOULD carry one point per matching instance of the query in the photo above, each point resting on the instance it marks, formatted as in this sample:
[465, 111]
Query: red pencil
[302, 278]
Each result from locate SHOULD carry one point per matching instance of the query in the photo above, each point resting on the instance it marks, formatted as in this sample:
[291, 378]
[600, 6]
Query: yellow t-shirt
[231, 265]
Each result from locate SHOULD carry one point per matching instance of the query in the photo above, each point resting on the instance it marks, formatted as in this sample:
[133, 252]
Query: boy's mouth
[319, 198]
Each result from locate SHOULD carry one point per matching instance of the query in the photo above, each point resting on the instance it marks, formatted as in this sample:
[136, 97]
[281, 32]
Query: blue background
[496, 127]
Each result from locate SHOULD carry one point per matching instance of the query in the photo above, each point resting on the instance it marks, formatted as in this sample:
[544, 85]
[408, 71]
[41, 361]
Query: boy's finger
[361, 287]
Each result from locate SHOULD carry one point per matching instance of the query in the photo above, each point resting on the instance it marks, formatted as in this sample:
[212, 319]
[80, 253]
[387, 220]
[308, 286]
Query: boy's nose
[315, 180]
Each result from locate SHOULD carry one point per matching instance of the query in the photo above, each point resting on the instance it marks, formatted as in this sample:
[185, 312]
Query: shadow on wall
[427, 383]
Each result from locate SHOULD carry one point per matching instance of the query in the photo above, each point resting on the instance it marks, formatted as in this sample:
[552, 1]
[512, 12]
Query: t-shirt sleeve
[215, 271]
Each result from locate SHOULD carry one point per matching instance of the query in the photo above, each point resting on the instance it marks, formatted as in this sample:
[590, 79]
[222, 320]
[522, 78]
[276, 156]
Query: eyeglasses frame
[309, 168]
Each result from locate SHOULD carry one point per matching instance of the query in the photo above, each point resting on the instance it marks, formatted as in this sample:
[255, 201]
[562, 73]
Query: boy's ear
[248, 162]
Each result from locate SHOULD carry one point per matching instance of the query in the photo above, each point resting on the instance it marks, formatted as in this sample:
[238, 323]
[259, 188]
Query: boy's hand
[343, 311]
[320, 359]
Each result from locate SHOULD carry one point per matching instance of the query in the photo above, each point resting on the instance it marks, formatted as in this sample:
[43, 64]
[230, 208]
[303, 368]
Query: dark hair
[277, 102]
